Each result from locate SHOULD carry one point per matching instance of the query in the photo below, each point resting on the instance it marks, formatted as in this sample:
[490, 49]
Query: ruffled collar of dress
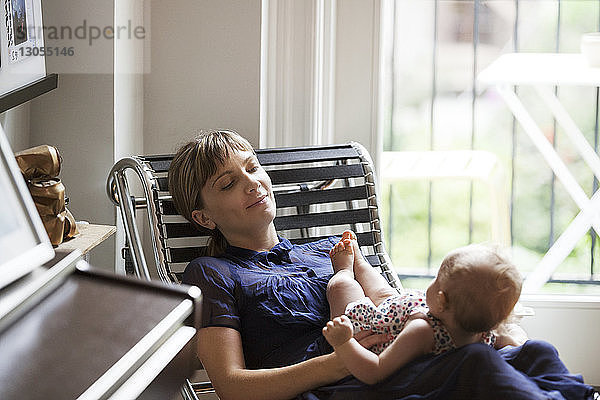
[280, 249]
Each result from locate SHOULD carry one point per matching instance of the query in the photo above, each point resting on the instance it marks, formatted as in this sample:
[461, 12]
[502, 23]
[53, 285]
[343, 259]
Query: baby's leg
[375, 286]
[342, 288]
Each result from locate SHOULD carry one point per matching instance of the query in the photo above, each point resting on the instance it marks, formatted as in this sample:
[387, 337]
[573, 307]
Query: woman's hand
[221, 352]
[509, 334]
[368, 339]
[338, 331]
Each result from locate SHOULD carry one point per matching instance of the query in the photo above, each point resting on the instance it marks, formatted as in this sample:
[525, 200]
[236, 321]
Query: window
[433, 51]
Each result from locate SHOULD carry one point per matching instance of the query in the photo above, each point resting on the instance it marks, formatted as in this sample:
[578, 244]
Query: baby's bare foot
[342, 255]
[359, 261]
[348, 234]
[353, 241]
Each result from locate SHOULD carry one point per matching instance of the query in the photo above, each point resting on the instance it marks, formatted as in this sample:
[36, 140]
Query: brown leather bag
[40, 167]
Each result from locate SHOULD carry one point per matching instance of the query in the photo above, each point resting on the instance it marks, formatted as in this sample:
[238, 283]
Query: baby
[474, 291]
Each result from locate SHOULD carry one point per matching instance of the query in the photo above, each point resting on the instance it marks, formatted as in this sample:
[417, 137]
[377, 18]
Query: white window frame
[320, 73]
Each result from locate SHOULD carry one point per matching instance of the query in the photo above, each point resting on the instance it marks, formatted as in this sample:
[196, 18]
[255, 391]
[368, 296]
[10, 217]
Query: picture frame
[21, 31]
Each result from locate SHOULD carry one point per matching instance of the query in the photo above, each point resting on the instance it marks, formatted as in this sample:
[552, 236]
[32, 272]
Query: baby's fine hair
[481, 285]
[193, 164]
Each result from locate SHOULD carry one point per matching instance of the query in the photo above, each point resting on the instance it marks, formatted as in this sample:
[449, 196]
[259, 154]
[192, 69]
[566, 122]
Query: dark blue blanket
[475, 371]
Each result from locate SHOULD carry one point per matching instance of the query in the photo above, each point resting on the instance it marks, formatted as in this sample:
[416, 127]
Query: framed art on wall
[21, 30]
[22, 53]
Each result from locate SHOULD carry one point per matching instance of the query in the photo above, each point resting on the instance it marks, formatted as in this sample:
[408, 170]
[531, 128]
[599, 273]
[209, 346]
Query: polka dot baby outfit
[391, 317]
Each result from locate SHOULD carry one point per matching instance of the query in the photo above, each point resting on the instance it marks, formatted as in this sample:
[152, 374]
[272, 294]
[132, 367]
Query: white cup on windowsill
[590, 48]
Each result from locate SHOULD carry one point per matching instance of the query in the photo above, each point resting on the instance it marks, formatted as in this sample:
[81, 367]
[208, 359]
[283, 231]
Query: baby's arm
[415, 339]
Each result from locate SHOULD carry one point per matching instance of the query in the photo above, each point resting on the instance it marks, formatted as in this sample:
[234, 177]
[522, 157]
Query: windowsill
[561, 301]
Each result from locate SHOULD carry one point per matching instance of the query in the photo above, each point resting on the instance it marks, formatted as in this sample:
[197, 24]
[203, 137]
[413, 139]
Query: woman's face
[238, 198]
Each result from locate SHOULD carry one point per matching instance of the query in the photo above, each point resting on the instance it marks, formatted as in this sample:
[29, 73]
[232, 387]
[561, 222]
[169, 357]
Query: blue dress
[277, 301]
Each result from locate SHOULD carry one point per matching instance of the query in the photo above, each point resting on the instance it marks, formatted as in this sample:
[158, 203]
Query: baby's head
[480, 287]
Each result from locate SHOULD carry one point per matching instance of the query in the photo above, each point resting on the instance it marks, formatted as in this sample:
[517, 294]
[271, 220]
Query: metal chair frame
[319, 191]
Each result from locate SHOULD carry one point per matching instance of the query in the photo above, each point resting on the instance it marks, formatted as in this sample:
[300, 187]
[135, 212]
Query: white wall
[572, 325]
[205, 70]
[16, 126]
[77, 118]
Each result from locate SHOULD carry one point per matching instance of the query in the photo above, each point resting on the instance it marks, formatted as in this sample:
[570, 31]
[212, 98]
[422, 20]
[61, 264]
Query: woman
[264, 299]
[218, 184]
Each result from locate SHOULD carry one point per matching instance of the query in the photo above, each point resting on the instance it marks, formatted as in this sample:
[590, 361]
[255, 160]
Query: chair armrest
[117, 187]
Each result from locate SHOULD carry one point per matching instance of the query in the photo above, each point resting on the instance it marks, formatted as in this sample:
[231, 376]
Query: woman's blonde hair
[193, 164]
[481, 285]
